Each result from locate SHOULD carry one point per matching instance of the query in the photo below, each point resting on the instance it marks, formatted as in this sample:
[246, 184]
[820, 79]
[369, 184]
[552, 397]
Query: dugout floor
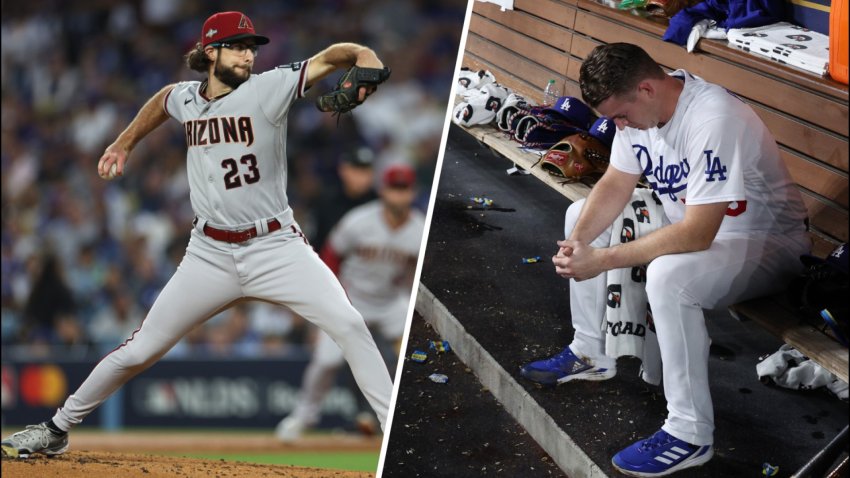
[519, 312]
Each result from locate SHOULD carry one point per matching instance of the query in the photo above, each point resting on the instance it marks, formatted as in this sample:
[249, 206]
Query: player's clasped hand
[575, 260]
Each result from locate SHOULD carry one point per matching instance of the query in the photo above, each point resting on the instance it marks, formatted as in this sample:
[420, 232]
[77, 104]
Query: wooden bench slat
[822, 245]
[555, 12]
[515, 65]
[814, 142]
[814, 177]
[524, 46]
[530, 25]
[516, 84]
[826, 217]
[519, 74]
[772, 314]
[722, 50]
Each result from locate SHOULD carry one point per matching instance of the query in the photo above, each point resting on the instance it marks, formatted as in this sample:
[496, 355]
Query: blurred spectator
[356, 175]
[116, 322]
[50, 305]
[232, 335]
[73, 73]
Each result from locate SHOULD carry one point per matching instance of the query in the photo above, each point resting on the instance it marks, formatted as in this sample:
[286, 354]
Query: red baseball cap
[399, 175]
[229, 26]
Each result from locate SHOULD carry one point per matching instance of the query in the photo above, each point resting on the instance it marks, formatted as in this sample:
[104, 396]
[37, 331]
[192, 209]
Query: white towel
[785, 43]
[789, 368]
[629, 327]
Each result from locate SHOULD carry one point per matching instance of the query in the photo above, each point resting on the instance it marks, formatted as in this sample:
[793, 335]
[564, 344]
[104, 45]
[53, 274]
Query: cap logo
[245, 23]
[211, 32]
[565, 105]
[603, 126]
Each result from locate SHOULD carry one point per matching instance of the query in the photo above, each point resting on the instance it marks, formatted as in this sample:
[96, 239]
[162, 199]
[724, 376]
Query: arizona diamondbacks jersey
[714, 149]
[237, 146]
[376, 257]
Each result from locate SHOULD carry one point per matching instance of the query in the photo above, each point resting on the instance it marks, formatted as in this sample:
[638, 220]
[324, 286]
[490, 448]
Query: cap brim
[810, 260]
[558, 114]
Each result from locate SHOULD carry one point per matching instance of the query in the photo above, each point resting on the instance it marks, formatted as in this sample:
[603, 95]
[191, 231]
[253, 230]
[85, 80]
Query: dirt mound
[85, 464]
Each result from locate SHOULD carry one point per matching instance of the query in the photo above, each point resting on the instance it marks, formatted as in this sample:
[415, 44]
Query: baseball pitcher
[244, 243]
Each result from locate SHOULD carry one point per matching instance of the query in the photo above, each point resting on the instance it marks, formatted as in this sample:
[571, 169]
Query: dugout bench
[808, 115]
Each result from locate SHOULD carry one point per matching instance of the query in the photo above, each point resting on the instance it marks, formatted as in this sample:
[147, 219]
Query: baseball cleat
[290, 429]
[367, 424]
[564, 367]
[660, 455]
[34, 439]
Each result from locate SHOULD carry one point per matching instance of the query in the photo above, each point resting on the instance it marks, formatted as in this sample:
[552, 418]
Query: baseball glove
[576, 156]
[345, 97]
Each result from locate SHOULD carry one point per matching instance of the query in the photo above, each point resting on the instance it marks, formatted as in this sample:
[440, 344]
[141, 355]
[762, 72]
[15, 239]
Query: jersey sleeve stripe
[302, 79]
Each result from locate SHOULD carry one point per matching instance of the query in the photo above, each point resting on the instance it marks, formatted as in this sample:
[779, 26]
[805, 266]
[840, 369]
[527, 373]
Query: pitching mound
[136, 454]
[85, 464]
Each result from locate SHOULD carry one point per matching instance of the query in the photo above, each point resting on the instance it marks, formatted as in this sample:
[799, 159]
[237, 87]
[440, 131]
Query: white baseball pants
[679, 286]
[279, 267]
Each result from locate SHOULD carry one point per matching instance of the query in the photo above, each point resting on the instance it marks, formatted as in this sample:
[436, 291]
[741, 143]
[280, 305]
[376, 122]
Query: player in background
[245, 243]
[356, 170]
[734, 229]
[374, 249]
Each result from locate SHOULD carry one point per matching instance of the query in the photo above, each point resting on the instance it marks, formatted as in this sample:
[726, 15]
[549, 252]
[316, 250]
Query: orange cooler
[838, 39]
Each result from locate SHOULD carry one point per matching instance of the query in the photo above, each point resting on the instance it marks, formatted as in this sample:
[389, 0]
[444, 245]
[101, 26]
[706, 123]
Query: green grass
[354, 461]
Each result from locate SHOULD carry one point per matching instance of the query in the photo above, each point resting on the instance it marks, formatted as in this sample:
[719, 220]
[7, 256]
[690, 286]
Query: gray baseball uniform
[237, 173]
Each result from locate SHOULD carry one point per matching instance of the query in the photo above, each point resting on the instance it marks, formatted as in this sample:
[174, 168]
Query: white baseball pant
[279, 267]
[735, 267]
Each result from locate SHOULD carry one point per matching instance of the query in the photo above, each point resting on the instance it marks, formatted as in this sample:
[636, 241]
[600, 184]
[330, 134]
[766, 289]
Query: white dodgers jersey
[376, 258]
[714, 149]
[236, 158]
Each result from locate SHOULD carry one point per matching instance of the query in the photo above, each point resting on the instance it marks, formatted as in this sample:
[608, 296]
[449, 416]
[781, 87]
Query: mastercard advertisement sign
[32, 391]
[43, 385]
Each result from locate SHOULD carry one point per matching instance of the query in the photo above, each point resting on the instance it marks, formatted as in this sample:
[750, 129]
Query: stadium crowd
[84, 258]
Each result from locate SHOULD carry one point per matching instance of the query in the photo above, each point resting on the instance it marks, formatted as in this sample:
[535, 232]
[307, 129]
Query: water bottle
[550, 93]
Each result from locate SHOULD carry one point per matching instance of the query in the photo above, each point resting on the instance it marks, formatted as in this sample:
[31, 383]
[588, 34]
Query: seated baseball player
[734, 229]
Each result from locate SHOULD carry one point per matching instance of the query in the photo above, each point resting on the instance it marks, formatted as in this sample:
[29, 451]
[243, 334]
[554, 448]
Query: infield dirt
[132, 455]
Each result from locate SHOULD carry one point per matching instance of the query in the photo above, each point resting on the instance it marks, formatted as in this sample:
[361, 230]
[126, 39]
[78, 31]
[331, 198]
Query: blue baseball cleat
[660, 455]
[562, 368]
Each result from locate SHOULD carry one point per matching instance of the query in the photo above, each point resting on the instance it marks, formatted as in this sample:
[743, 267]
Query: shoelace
[658, 439]
[557, 359]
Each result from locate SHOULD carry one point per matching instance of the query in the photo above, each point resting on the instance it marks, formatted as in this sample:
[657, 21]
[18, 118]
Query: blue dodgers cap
[836, 259]
[603, 129]
[573, 110]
